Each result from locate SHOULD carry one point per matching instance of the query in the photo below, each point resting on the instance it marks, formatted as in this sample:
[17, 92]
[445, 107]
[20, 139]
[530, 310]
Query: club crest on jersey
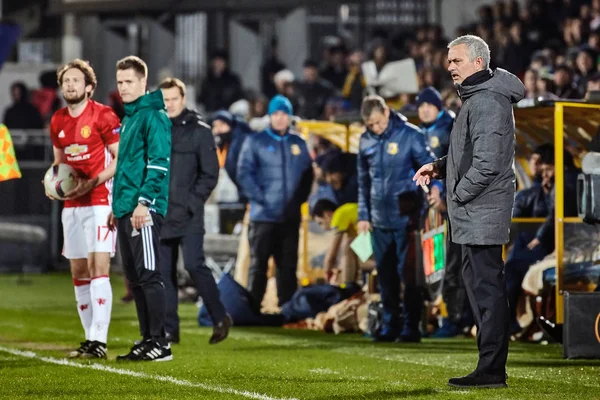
[392, 149]
[76, 149]
[295, 149]
[434, 142]
[86, 132]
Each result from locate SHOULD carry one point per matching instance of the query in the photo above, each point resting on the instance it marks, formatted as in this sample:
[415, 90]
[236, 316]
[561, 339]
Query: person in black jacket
[194, 175]
[22, 114]
[221, 87]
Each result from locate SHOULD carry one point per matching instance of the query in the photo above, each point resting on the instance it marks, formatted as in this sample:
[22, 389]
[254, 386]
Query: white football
[60, 179]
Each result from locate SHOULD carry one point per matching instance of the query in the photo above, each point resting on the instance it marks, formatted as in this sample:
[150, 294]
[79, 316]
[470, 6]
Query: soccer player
[85, 135]
[141, 198]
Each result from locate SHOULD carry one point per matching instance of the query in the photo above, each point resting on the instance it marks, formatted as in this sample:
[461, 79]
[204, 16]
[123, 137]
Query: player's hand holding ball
[83, 186]
[59, 180]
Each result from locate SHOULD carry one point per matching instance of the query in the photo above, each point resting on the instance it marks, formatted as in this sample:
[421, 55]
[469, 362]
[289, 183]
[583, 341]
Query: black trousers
[279, 240]
[141, 264]
[453, 289]
[194, 261]
[483, 274]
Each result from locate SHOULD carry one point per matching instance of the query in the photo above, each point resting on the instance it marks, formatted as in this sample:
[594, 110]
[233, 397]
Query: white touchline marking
[127, 372]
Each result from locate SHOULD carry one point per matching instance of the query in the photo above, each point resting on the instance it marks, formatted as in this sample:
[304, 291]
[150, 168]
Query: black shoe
[221, 330]
[156, 352]
[173, 338]
[136, 352]
[413, 336]
[475, 380]
[95, 350]
[82, 349]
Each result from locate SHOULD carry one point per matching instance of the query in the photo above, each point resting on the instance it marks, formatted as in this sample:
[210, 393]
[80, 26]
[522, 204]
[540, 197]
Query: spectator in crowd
[22, 114]
[312, 92]
[530, 82]
[270, 67]
[339, 171]
[563, 81]
[389, 151]
[46, 98]
[275, 173]
[343, 220]
[354, 85]
[229, 133]
[335, 72]
[221, 87]
[194, 173]
[284, 83]
[586, 66]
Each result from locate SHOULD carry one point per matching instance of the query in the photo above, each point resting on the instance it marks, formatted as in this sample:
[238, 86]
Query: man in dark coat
[194, 175]
[221, 87]
[389, 152]
[481, 186]
[22, 114]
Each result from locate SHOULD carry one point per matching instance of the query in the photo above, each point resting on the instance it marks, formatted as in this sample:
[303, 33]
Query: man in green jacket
[140, 197]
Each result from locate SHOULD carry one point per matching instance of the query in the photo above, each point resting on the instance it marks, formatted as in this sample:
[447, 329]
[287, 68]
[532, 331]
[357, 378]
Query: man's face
[547, 171]
[378, 121]
[535, 164]
[130, 85]
[324, 221]
[335, 179]
[220, 127]
[428, 113]
[530, 80]
[218, 66]
[280, 121]
[16, 94]
[459, 65]
[73, 86]
[174, 101]
[310, 74]
[562, 78]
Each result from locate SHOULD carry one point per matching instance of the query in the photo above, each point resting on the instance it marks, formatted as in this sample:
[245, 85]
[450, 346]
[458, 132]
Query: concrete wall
[246, 54]
[292, 33]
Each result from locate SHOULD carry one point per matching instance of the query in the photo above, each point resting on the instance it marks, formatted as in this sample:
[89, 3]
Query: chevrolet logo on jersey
[76, 149]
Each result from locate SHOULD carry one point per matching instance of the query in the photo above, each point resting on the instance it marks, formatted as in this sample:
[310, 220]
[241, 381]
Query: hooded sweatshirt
[144, 156]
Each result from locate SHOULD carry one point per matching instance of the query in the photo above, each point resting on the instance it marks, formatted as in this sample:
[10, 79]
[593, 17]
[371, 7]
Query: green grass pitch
[39, 325]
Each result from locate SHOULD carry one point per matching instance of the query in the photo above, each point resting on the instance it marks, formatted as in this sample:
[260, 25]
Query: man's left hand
[139, 217]
[83, 186]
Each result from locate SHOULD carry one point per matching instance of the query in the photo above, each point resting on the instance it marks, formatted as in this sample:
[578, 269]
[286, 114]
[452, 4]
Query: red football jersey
[84, 140]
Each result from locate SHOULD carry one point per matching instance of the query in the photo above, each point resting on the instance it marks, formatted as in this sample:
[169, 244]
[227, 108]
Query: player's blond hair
[170, 83]
[135, 63]
[85, 68]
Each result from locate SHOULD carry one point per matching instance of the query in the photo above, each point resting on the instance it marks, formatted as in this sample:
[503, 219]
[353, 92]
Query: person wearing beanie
[229, 132]
[275, 173]
[436, 123]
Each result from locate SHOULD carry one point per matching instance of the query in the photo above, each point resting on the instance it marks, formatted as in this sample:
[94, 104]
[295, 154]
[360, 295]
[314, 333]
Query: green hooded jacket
[144, 156]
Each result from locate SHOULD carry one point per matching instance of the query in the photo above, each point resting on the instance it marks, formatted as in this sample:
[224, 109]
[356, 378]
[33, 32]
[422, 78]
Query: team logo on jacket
[434, 142]
[295, 150]
[392, 149]
[86, 132]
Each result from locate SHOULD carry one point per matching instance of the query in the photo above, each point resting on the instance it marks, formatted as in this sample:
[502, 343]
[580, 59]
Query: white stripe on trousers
[149, 261]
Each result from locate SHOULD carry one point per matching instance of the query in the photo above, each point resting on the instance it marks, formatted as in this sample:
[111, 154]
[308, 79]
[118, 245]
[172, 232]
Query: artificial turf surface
[39, 325]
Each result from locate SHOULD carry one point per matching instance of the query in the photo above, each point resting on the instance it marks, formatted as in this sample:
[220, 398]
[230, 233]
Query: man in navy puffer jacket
[389, 151]
[275, 174]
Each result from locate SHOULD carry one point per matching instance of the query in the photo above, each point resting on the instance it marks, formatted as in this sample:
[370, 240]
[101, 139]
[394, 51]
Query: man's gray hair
[476, 47]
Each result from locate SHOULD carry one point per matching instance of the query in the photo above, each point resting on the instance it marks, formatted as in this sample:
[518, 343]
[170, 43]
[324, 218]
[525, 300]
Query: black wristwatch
[145, 203]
